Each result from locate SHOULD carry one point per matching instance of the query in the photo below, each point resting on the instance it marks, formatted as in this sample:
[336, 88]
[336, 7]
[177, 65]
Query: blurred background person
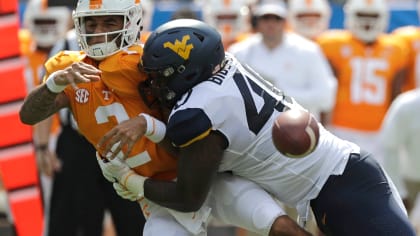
[231, 18]
[399, 138]
[44, 24]
[370, 67]
[296, 64]
[41, 27]
[309, 18]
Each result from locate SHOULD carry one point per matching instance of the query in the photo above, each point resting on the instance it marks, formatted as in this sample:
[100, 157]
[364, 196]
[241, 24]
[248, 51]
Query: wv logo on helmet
[180, 47]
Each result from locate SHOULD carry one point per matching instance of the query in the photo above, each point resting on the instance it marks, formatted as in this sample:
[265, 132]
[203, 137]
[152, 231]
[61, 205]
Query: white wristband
[155, 130]
[52, 86]
[134, 183]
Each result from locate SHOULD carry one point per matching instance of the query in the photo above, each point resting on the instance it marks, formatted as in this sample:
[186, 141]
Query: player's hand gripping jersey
[99, 106]
[411, 36]
[365, 77]
[242, 107]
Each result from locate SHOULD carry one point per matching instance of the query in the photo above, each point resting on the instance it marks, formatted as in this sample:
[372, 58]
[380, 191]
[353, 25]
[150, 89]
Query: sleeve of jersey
[394, 123]
[187, 126]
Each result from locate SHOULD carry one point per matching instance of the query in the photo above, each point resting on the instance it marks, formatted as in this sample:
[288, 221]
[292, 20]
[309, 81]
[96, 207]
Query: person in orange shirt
[99, 84]
[370, 67]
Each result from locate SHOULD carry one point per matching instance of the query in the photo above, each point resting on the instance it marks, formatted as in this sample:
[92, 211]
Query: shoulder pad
[187, 126]
[406, 30]
[333, 35]
[127, 59]
[63, 59]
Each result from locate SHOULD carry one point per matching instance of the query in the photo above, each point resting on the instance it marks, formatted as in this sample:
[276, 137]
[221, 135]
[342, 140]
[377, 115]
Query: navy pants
[360, 202]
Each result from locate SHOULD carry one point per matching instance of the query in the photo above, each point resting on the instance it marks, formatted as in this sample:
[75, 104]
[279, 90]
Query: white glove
[124, 193]
[116, 170]
[133, 182]
[108, 176]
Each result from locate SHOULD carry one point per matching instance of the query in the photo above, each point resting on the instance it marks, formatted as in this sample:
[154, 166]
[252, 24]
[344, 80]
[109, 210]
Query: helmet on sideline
[366, 19]
[309, 18]
[47, 24]
[230, 18]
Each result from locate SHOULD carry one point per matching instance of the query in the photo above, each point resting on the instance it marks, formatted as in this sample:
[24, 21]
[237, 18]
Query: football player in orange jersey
[370, 66]
[99, 85]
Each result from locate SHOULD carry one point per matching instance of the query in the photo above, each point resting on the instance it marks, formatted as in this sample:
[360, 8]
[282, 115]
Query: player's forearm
[165, 194]
[40, 104]
[197, 166]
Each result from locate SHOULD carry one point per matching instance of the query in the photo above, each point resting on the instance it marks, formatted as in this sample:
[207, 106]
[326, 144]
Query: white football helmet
[366, 28]
[46, 24]
[309, 18]
[131, 10]
[229, 17]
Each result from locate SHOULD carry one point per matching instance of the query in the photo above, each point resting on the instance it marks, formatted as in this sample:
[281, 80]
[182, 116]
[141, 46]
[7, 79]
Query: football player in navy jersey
[220, 121]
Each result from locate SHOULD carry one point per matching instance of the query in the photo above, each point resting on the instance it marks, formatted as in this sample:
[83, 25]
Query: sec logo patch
[82, 95]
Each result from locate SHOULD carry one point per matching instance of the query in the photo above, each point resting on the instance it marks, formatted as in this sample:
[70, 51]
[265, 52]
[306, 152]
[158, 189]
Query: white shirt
[243, 108]
[400, 134]
[296, 66]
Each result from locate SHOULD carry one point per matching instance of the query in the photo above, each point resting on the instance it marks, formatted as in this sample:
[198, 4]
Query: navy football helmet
[177, 56]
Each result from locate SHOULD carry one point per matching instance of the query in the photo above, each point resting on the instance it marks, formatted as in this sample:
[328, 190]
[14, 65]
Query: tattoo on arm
[40, 104]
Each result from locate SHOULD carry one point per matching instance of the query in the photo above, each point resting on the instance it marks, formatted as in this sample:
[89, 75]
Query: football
[295, 133]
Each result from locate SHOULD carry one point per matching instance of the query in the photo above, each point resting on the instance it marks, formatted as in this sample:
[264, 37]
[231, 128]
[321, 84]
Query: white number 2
[117, 110]
[367, 86]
